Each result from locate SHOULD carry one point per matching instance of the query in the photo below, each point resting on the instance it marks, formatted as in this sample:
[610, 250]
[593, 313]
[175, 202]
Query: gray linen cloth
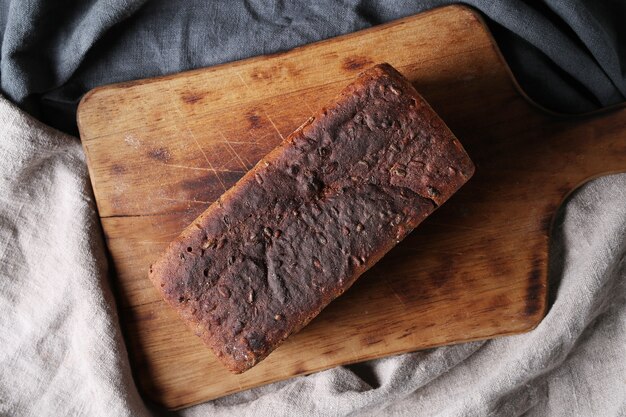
[61, 352]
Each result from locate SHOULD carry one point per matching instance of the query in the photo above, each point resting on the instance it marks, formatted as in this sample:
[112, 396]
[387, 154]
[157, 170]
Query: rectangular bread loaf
[314, 214]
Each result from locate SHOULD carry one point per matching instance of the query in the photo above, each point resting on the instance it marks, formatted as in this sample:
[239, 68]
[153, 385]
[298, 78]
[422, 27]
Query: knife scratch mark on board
[148, 242]
[183, 200]
[309, 107]
[230, 147]
[264, 112]
[249, 164]
[182, 117]
[242, 80]
[202, 169]
[241, 142]
[206, 158]
[257, 139]
[272, 122]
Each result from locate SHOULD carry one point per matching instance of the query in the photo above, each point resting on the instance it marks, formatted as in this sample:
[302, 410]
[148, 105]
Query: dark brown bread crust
[298, 229]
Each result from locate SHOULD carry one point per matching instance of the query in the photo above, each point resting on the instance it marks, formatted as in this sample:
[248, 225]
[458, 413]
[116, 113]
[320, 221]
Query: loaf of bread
[314, 214]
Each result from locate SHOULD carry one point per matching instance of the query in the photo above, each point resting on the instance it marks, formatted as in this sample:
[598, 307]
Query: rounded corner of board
[83, 104]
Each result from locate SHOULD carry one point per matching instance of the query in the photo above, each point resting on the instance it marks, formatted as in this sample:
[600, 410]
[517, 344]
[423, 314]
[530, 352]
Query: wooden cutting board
[161, 150]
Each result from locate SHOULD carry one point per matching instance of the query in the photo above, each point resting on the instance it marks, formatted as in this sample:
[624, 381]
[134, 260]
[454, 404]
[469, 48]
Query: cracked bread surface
[315, 213]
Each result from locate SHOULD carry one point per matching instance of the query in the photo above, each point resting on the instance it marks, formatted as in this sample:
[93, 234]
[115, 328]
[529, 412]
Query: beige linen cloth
[61, 352]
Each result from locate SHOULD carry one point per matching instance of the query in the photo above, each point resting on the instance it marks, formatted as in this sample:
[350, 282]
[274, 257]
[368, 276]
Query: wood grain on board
[161, 150]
